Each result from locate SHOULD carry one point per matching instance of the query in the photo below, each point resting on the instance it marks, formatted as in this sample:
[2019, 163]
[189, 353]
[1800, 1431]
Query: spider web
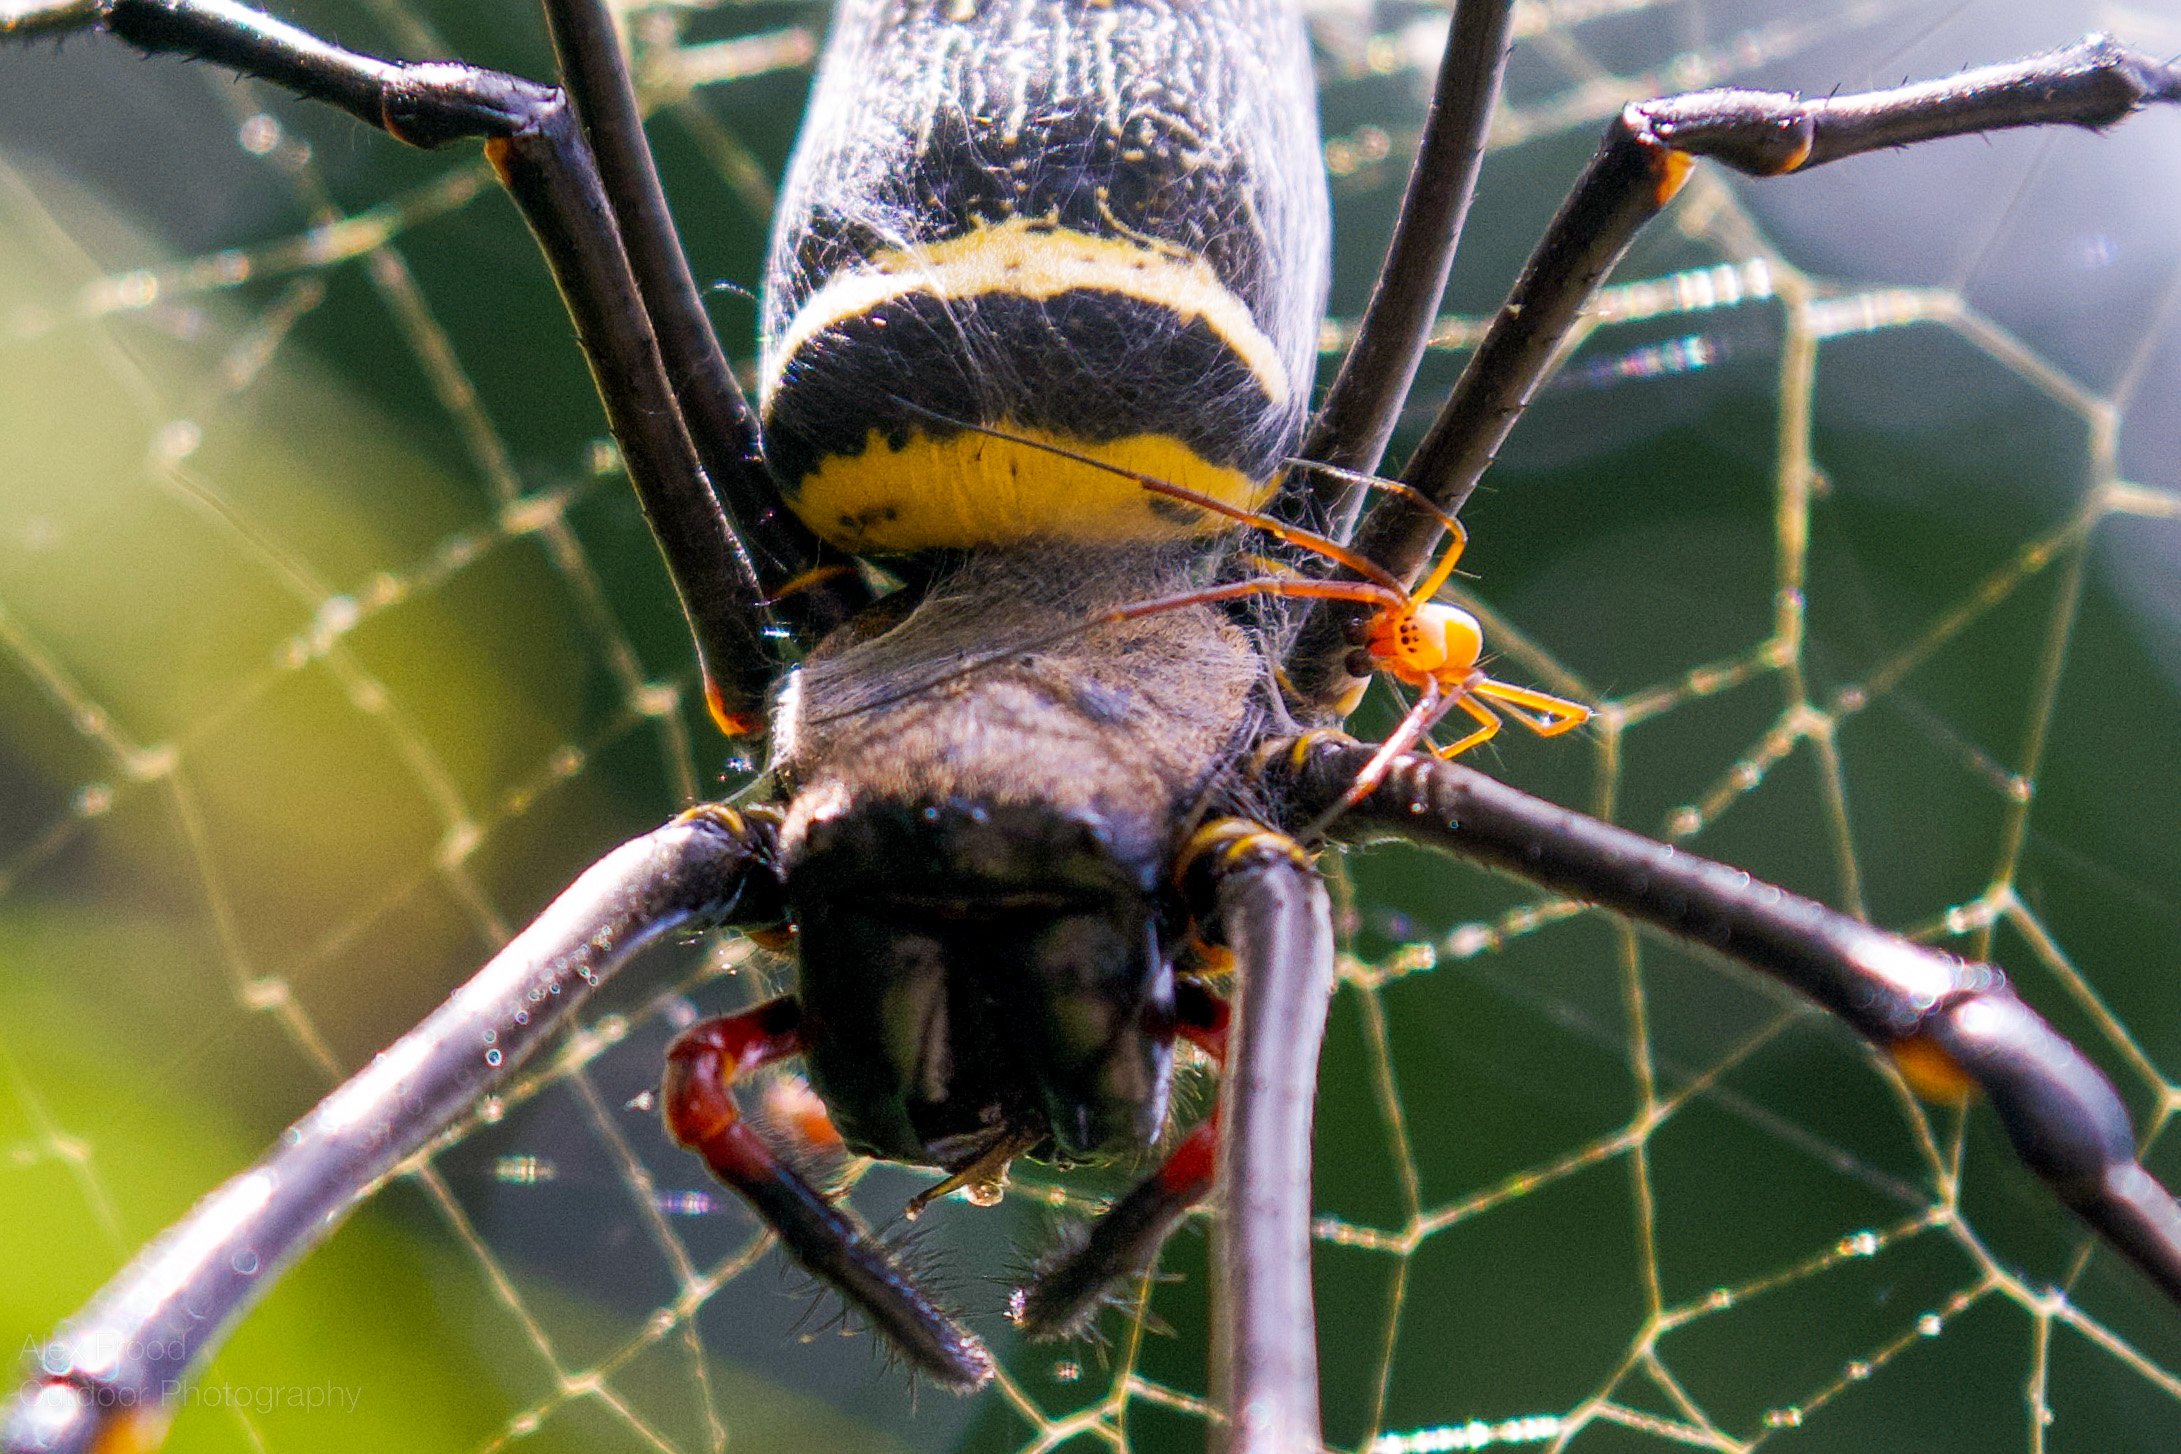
[331, 647]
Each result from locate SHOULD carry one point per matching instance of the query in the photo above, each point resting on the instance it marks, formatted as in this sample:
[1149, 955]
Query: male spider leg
[1357, 420]
[1645, 157]
[1063, 1295]
[1554, 715]
[1272, 910]
[537, 147]
[1488, 725]
[1416, 724]
[808, 583]
[1375, 585]
[698, 1104]
[1309, 540]
[1927, 1007]
[1254, 586]
[1541, 712]
[111, 1376]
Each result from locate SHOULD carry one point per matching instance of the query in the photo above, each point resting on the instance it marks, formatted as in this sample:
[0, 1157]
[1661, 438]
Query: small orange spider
[1428, 644]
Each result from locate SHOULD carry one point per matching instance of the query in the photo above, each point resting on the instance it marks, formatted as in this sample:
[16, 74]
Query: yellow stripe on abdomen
[973, 489]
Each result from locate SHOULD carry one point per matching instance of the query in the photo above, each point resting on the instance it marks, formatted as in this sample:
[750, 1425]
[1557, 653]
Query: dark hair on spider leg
[825, 1312]
[827, 1309]
[914, 1248]
[1064, 1242]
[1125, 1292]
[1076, 1279]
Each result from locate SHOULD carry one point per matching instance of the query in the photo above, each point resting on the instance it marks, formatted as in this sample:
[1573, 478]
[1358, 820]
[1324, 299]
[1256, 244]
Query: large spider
[1224, 881]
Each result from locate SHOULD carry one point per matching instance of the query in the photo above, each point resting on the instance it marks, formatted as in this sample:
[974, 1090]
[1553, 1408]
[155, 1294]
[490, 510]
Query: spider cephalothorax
[978, 848]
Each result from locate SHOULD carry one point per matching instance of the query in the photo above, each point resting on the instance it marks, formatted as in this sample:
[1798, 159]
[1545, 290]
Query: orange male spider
[1428, 644]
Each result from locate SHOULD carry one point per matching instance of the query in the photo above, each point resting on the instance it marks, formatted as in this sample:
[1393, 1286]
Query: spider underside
[1127, 792]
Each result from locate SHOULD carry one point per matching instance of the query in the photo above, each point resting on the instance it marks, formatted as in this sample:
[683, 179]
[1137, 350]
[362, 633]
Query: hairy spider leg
[1947, 1022]
[698, 1104]
[1065, 1292]
[111, 1376]
[1646, 156]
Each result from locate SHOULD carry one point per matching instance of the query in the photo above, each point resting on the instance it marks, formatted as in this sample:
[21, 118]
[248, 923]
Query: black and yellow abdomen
[1100, 224]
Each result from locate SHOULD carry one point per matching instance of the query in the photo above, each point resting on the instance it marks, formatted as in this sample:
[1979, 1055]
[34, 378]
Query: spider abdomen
[1100, 226]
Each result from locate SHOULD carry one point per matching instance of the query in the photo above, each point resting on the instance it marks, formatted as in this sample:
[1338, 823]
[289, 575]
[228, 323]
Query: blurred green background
[330, 647]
